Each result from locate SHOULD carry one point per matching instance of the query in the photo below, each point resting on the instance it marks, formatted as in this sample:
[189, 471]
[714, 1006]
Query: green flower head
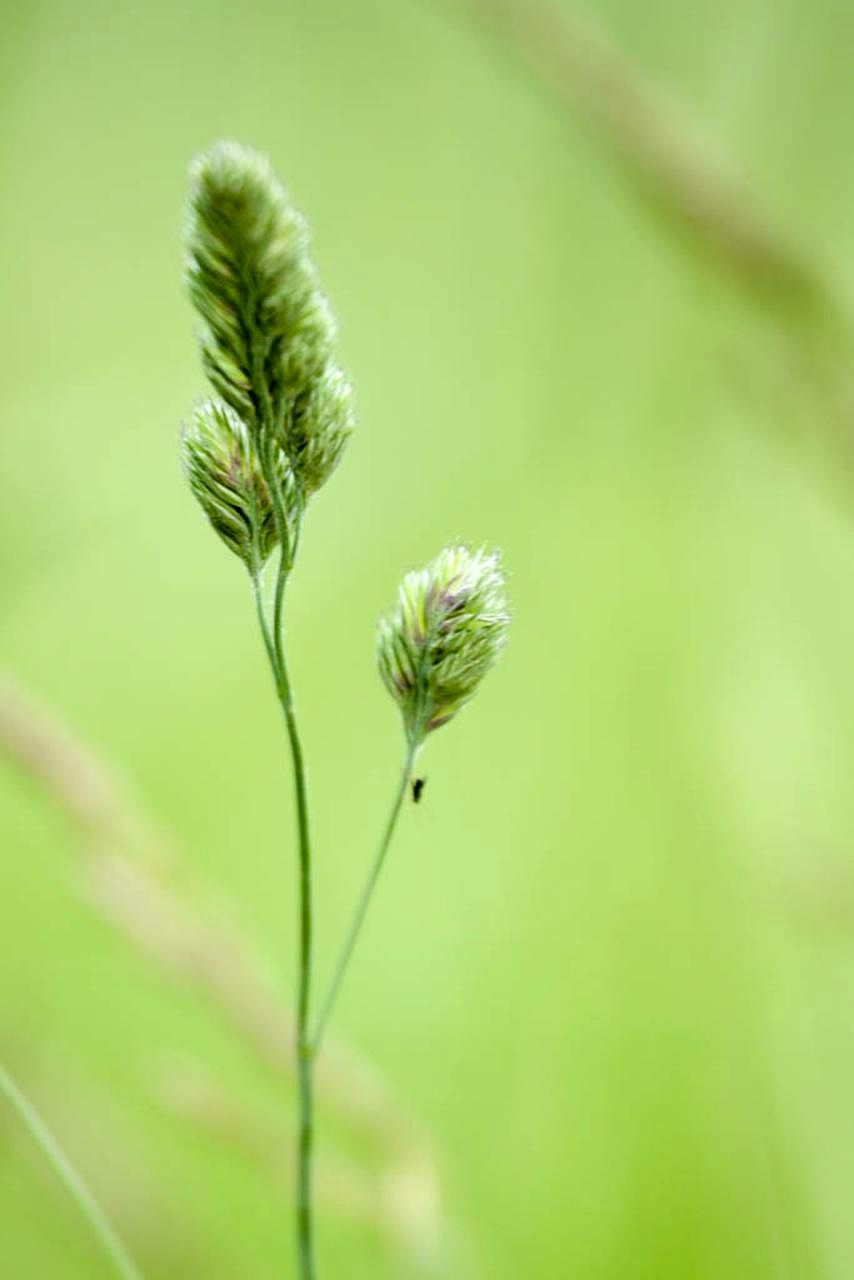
[446, 631]
[268, 335]
[224, 474]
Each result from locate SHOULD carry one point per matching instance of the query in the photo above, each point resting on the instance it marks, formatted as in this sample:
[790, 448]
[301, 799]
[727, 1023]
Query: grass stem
[365, 898]
[274, 645]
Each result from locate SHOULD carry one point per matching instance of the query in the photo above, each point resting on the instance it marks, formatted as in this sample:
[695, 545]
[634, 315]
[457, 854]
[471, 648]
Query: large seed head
[269, 336]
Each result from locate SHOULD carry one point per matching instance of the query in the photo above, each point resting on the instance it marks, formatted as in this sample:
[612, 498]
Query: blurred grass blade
[696, 189]
[399, 1200]
[128, 871]
[674, 162]
[69, 1177]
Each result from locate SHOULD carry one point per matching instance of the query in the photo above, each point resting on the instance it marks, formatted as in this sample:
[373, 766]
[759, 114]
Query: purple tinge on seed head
[448, 628]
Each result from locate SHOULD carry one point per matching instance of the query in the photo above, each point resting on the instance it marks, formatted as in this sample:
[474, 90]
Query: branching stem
[365, 898]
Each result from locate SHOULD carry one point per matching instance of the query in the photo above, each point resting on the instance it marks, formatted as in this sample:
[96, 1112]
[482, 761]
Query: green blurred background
[611, 966]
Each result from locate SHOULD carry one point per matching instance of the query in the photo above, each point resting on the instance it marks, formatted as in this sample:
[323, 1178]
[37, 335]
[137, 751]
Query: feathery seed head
[269, 335]
[446, 631]
[321, 425]
[224, 473]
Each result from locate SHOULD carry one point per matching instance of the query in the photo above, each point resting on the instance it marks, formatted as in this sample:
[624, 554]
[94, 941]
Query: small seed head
[446, 631]
[321, 424]
[224, 473]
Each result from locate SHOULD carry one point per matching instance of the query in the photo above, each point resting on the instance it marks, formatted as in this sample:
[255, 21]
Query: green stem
[365, 898]
[272, 420]
[258, 597]
[70, 1178]
[274, 645]
[304, 1055]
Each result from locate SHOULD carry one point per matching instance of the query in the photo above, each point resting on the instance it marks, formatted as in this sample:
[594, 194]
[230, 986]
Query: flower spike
[269, 336]
[445, 633]
[223, 472]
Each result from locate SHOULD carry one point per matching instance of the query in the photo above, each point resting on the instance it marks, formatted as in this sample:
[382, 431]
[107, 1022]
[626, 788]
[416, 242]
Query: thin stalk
[365, 898]
[70, 1178]
[274, 645]
[304, 1053]
[258, 597]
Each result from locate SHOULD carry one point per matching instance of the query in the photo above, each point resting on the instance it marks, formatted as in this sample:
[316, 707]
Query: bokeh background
[610, 970]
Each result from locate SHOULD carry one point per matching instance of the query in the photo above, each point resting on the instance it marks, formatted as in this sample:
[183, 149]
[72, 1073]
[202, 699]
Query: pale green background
[611, 966]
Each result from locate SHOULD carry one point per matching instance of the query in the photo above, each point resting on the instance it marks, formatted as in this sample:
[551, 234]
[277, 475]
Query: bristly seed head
[224, 473]
[446, 631]
[269, 336]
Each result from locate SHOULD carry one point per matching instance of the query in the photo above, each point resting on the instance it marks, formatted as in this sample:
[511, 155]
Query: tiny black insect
[418, 785]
